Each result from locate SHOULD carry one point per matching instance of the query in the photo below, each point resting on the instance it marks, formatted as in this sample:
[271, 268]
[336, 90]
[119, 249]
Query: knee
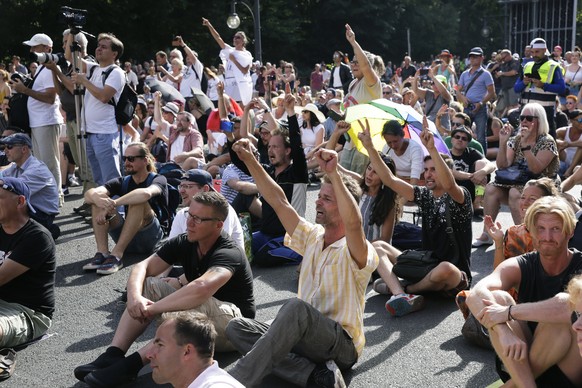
[292, 308]
[502, 297]
[444, 271]
[514, 196]
[234, 326]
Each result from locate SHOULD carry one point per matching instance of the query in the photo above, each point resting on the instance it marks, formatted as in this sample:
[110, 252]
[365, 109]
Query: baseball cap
[463, 129]
[333, 101]
[558, 48]
[538, 43]
[17, 138]
[39, 39]
[18, 187]
[198, 176]
[476, 51]
[172, 108]
[442, 79]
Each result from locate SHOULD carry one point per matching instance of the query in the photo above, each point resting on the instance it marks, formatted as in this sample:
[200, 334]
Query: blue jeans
[480, 120]
[103, 156]
[269, 251]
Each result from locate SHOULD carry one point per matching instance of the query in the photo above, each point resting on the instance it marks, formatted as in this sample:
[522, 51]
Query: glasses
[9, 188]
[264, 133]
[386, 92]
[463, 138]
[528, 118]
[197, 220]
[575, 316]
[453, 124]
[187, 186]
[131, 159]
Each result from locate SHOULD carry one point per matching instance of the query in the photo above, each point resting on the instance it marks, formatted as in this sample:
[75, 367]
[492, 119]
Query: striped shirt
[330, 280]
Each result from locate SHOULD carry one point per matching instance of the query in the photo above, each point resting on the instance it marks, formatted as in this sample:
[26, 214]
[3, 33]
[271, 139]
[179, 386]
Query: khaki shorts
[221, 313]
[19, 324]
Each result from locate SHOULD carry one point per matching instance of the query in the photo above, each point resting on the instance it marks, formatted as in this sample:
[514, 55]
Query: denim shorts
[145, 240]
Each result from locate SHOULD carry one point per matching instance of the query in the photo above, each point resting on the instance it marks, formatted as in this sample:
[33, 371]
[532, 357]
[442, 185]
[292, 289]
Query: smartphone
[226, 125]
[423, 71]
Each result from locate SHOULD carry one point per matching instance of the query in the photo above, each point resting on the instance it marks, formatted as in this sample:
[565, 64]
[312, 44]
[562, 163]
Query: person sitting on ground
[461, 119]
[533, 149]
[140, 230]
[569, 141]
[575, 291]
[444, 205]
[27, 268]
[183, 350]
[217, 281]
[531, 335]
[185, 145]
[288, 168]
[44, 193]
[471, 168]
[323, 326]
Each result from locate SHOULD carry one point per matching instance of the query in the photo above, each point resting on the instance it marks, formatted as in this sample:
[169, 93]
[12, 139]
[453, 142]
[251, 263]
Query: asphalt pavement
[423, 349]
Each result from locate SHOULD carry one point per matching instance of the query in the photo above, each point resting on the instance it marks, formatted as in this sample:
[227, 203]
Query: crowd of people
[242, 142]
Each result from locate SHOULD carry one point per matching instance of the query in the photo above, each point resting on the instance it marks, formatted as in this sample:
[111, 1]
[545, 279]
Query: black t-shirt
[434, 225]
[536, 285]
[114, 187]
[507, 82]
[225, 253]
[33, 247]
[466, 163]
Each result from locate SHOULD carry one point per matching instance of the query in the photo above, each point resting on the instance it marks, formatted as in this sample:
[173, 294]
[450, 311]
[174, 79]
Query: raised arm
[347, 206]
[370, 75]
[213, 32]
[402, 188]
[269, 189]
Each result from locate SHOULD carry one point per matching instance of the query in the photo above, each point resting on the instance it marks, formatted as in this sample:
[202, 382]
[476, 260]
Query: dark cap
[463, 129]
[574, 113]
[18, 187]
[17, 138]
[198, 176]
[476, 51]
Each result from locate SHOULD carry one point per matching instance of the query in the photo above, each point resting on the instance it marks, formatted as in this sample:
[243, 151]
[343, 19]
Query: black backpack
[165, 211]
[18, 105]
[125, 107]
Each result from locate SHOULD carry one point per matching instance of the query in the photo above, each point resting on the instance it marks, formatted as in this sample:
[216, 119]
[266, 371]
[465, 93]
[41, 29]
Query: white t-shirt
[191, 78]
[100, 117]
[231, 227]
[337, 80]
[410, 163]
[177, 147]
[219, 141]
[309, 136]
[237, 85]
[214, 377]
[132, 79]
[40, 113]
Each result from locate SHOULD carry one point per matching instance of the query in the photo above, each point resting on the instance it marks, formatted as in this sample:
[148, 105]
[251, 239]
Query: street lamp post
[233, 21]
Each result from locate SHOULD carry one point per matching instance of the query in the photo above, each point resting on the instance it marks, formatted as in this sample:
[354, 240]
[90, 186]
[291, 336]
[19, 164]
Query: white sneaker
[479, 243]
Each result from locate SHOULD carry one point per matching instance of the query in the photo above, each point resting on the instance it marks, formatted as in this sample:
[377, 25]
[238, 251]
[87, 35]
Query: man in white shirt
[43, 109]
[131, 76]
[192, 72]
[102, 83]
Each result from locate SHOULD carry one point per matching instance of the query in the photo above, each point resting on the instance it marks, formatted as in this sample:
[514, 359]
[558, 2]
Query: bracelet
[509, 317]
[180, 282]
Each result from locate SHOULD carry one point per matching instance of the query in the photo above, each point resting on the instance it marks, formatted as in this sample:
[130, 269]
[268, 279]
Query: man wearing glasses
[532, 335]
[569, 144]
[217, 282]
[139, 193]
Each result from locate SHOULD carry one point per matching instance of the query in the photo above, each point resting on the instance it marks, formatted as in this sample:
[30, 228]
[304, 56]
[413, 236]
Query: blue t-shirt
[479, 88]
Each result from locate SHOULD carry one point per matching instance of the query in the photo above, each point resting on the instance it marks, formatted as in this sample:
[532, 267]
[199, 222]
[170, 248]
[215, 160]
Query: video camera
[74, 18]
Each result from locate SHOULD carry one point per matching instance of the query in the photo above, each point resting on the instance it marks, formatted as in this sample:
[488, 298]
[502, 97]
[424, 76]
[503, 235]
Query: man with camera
[43, 108]
[541, 81]
[100, 89]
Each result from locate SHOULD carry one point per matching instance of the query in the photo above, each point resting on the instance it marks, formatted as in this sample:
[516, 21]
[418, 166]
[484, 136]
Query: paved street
[424, 349]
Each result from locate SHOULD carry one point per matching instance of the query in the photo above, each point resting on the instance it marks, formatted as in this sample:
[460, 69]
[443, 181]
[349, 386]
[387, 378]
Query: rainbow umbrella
[377, 114]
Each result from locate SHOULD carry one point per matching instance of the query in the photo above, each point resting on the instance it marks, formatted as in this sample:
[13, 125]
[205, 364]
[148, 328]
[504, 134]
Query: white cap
[38, 39]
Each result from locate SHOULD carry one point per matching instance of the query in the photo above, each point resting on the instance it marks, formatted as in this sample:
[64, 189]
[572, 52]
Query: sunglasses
[131, 159]
[463, 138]
[579, 119]
[453, 124]
[575, 316]
[11, 146]
[198, 220]
[187, 186]
[9, 188]
[528, 118]
[386, 93]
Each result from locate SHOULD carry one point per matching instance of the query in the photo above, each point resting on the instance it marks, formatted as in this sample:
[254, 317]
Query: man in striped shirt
[322, 329]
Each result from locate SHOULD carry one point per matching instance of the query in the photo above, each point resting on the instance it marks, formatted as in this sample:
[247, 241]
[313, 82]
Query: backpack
[165, 211]
[125, 107]
[18, 105]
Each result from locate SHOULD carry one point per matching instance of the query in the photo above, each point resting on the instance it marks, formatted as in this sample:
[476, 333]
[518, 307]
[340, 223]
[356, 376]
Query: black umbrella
[169, 93]
[205, 103]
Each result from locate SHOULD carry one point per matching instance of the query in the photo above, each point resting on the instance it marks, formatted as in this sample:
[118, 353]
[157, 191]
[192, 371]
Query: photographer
[99, 123]
[541, 81]
[43, 109]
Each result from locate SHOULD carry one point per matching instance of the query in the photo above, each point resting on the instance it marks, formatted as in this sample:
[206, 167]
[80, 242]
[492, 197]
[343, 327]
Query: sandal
[7, 363]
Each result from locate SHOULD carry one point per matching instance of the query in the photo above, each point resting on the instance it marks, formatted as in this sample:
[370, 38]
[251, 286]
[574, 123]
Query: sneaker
[479, 242]
[95, 263]
[65, 190]
[73, 181]
[103, 361]
[381, 287]
[402, 304]
[111, 265]
[84, 210]
[328, 375]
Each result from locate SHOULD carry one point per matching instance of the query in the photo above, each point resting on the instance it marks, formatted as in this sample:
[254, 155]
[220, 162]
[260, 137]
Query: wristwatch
[528, 148]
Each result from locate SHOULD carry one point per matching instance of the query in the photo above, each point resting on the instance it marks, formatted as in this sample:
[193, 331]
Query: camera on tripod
[74, 18]
[42, 58]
